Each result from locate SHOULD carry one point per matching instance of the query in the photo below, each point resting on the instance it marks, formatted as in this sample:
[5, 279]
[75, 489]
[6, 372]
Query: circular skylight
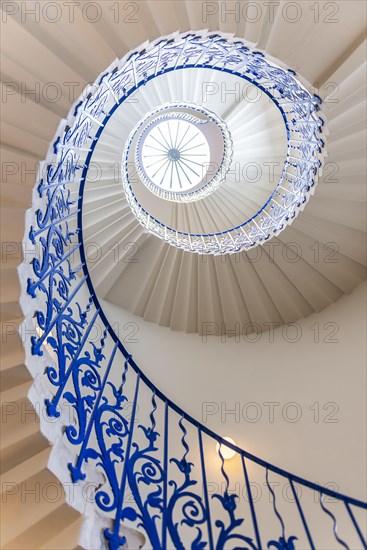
[182, 152]
[175, 155]
[248, 222]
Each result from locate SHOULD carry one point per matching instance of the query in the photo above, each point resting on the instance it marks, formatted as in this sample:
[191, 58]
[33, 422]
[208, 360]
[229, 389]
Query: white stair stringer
[75, 494]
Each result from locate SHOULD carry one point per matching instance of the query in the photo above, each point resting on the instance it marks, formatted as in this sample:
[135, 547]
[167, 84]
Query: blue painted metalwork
[335, 524]
[296, 499]
[170, 500]
[303, 123]
[284, 543]
[228, 502]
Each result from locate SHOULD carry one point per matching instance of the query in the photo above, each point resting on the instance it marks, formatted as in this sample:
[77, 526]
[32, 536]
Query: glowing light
[225, 451]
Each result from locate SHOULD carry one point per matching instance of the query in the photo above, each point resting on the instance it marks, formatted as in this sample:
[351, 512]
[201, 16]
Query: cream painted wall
[324, 375]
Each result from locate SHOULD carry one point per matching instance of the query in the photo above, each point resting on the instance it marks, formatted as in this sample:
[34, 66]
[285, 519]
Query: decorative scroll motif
[107, 421]
[191, 505]
[144, 469]
[228, 502]
[81, 368]
[111, 428]
[67, 344]
[283, 543]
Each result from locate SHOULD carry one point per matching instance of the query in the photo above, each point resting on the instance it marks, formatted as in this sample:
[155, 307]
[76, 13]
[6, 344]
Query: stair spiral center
[182, 152]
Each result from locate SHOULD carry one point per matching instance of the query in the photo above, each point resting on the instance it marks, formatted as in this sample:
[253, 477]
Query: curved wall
[297, 393]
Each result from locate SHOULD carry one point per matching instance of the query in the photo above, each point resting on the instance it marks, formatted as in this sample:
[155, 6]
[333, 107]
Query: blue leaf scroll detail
[111, 428]
[184, 502]
[228, 502]
[80, 376]
[144, 468]
[283, 544]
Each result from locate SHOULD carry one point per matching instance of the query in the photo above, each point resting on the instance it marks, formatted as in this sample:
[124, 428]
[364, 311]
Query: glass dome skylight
[181, 151]
[175, 155]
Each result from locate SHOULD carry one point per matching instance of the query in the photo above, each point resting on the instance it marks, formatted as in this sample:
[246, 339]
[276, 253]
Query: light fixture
[226, 452]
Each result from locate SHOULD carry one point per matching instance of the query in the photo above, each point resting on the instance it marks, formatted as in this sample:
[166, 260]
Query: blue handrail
[130, 454]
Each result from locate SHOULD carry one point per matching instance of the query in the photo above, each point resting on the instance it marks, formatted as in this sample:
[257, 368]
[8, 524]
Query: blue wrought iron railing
[158, 464]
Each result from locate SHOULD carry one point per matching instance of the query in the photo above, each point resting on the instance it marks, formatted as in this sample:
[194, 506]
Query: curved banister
[78, 371]
[211, 433]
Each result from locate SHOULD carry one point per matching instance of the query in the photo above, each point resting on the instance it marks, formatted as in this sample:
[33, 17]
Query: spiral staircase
[163, 282]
